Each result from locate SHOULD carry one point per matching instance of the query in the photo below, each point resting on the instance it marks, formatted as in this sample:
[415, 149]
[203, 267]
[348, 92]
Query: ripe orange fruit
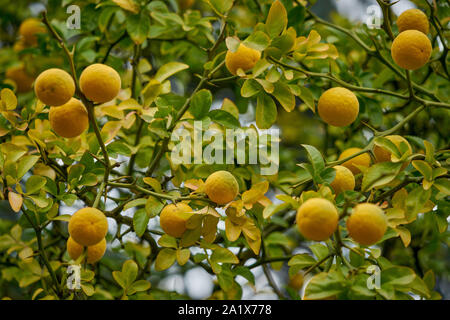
[173, 219]
[383, 155]
[54, 87]
[344, 180]
[413, 19]
[411, 49]
[28, 30]
[21, 78]
[244, 58]
[221, 187]
[185, 4]
[338, 107]
[361, 160]
[317, 219]
[94, 252]
[296, 281]
[100, 83]
[69, 120]
[88, 226]
[367, 224]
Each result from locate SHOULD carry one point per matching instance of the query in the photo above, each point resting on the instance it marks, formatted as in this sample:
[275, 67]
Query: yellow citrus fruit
[244, 58]
[100, 83]
[69, 120]
[54, 87]
[28, 30]
[361, 160]
[21, 78]
[221, 187]
[41, 169]
[173, 219]
[185, 4]
[88, 226]
[344, 180]
[94, 252]
[296, 281]
[383, 155]
[317, 219]
[411, 49]
[19, 45]
[338, 107]
[367, 224]
[413, 19]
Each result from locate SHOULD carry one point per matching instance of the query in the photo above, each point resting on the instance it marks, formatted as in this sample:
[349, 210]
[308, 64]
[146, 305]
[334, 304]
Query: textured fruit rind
[221, 187]
[28, 30]
[69, 120]
[411, 49]
[100, 83]
[317, 219]
[383, 155]
[343, 181]
[88, 226]
[361, 160]
[338, 107]
[94, 252]
[54, 87]
[244, 58]
[173, 219]
[413, 19]
[367, 224]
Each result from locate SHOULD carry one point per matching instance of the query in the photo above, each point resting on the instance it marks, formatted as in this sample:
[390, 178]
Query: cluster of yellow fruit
[221, 187]
[345, 173]
[28, 31]
[68, 116]
[317, 219]
[411, 49]
[87, 228]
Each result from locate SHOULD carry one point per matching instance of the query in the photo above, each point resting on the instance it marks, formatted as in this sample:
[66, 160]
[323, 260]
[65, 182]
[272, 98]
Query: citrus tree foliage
[170, 56]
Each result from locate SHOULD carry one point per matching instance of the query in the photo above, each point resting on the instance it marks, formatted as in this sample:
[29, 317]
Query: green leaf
[443, 185]
[380, 174]
[244, 272]
[283, 94]
[167, 241]
[266, 111]
[25, 164]
[183, 256]
[397, 275]
[169, 70]
[35, 183]
[140, 222]
[221, 6]
[126, 277]
[134, 203]
[302, 260]
[223, 255]
[424, 168]
[276, 20]
[308, 98]
[316, 159]
[224, 118]
[319, 250]
[138, 27]
[139, 286]
[165, 259]
[153, 206]
[415, 201]
[200, 104]
[324, 285]
[258, 40]
[250, 88]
